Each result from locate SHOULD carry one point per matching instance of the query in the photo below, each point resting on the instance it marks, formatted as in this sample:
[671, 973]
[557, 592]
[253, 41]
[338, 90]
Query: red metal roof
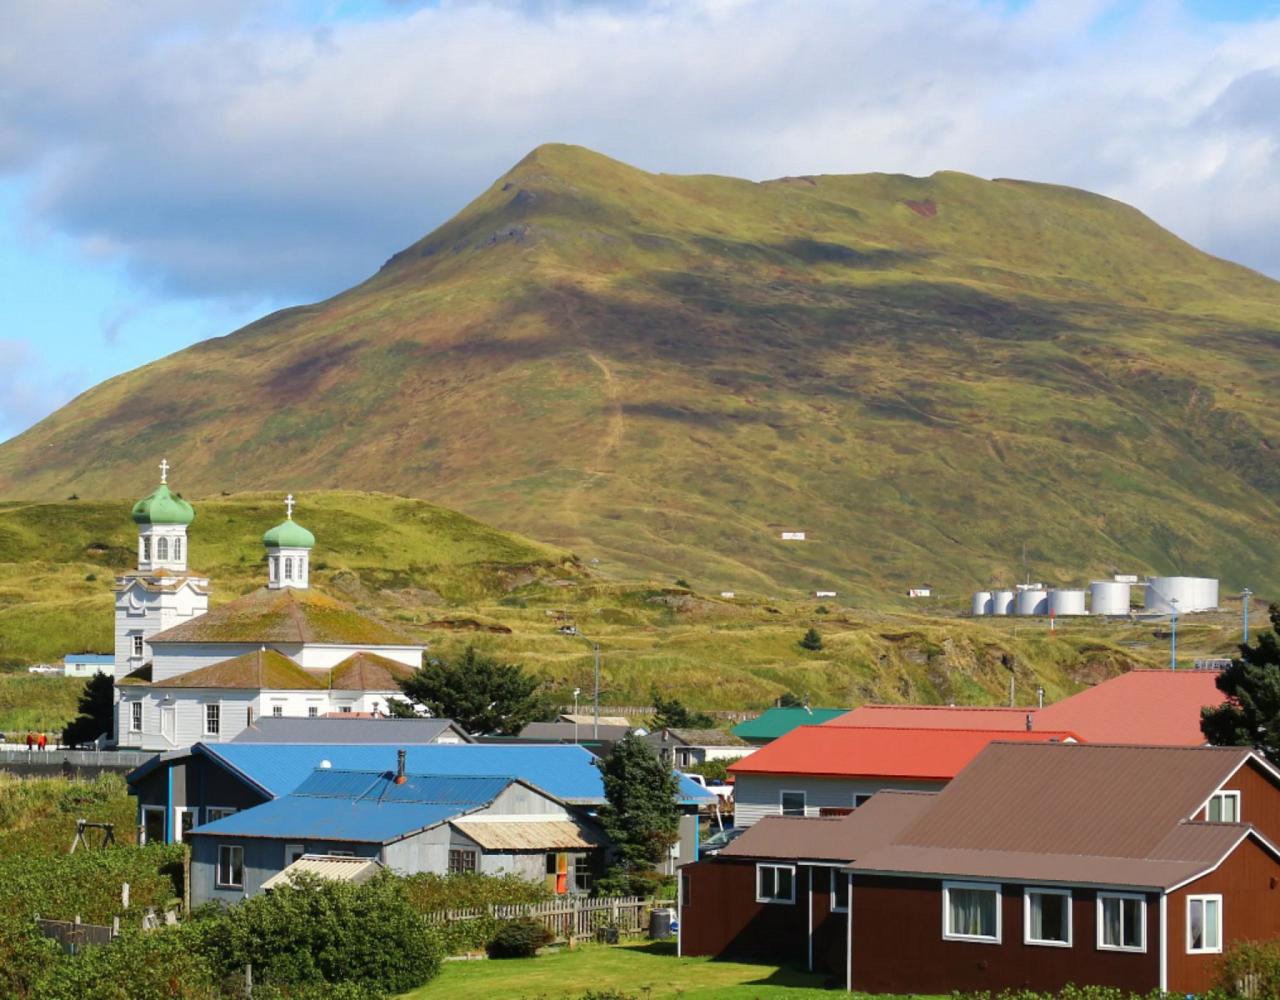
[1142, 706]
[935, 717]
[878, 752]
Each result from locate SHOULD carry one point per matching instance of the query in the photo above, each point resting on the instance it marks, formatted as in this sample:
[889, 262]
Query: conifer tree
[1250, 717]
[641, 817]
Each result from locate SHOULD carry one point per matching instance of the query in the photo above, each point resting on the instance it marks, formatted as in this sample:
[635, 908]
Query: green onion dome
[289, 534]
[163, 507]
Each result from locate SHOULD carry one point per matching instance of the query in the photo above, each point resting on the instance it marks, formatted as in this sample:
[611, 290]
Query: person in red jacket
[42, 742]
[30, 740]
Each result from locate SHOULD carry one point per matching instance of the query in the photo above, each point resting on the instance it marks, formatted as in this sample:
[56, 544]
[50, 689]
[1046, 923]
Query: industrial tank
[1108, 597]
[1032, 602]
[1066, 602]
[982, 603]
[1192, 593]
[1002, 602]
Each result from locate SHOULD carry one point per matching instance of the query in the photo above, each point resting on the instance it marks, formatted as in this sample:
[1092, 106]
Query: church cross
[289, 505]
[164, 470]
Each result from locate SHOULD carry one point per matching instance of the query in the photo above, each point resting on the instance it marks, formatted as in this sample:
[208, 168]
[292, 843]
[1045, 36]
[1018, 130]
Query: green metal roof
[775, 722]
[289, 534]
[163, 507]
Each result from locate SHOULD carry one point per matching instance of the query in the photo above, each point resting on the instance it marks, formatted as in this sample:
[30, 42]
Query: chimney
[400, 755]
[1028, 722]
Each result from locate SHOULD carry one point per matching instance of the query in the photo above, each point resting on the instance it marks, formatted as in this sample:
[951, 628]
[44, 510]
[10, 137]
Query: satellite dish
[325, 765]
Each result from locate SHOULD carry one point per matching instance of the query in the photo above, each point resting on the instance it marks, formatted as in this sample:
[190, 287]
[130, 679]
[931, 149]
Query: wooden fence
[73, 936]
[640, 713]
[574, 916]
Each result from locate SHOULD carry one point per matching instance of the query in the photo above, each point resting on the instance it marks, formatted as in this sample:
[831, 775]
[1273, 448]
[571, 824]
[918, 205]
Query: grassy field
[642, 971]
[38, 815]
[934, 377]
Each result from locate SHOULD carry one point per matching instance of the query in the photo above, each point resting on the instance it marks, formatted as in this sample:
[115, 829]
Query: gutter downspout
[1164, 942]
[679, 915]
[810, 918]
[848, 953]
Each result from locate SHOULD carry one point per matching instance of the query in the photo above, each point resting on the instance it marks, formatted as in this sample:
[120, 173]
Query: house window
[312, 711]
[859, 800]
[277, 711]
[137, 647]
[971, 911]
[248, 716]
[1204, 925]
[1047, 917]
[162, 549]
[273, 570]
[292, 852]
[686, 889]
[153, 824]
[461, 860]
[212, 715]
[345, 709]
[792, 803]
[1121, 922]
[1224, 807]
[839, 891]
[212, 813]
[775, 884]
[288, 568]
[177, 549]
[230, 867]
[135, 717]
[146, 550]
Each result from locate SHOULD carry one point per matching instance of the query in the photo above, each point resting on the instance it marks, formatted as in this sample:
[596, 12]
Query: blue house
[180, 791]
[409, 823]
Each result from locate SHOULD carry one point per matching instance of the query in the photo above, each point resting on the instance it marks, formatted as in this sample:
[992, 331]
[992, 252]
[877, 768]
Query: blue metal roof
[96, 658]
[564, 770]
[361, 806]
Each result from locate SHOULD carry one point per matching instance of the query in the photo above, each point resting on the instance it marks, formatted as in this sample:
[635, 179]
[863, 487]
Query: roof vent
[1029, 723]
[400, 755]
[325, 765]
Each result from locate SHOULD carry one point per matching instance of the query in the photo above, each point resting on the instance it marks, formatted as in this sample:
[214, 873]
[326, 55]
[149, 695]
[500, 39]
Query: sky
[173, 169]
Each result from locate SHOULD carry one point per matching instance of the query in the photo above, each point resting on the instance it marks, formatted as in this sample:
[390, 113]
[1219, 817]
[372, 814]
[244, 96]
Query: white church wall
[140, 611]
[170, 659]
[315, 656]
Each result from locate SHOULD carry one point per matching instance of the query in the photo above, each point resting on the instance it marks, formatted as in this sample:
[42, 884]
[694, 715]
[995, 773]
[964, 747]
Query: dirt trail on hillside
[616, 427]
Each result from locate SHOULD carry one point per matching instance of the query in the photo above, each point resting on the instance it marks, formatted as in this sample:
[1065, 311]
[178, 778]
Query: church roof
[286, 615]
[142, 675]
[163, 507]
[262, 668]
[289, 534]
[368, 672]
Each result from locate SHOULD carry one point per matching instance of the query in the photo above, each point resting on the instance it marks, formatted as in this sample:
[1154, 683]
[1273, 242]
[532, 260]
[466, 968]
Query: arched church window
[177, 548]
[162, 549]
[288, 568]
[146, 550]
[273, 568]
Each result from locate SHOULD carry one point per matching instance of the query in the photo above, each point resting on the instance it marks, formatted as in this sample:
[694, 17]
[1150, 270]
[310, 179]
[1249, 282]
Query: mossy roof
[368, 672]
[287, 615]
[142, 675]
[262, 668]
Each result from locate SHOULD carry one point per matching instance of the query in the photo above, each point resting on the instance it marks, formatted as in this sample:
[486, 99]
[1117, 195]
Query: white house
[184, 673]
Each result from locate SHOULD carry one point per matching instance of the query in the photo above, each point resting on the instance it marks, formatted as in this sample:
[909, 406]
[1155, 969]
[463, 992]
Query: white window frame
[1223, 795]
[213, 813]
[836, 876]
[212, 713]
[341, 854]
[217, 871]
[1205, 898]
[1142, 909]
[804, 809]
[136, 650]
[163, 820]
[178, 813]
[135, 717]
[1034, 890]
[292, 849]
[277, 711]
[947, 935]
[313, 711]
[777, 900]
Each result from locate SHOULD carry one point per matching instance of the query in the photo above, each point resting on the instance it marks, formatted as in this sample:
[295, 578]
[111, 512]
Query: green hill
[662, 373]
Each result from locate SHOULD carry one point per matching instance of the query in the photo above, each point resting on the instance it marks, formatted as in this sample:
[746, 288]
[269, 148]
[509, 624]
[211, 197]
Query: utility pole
[1244, 604]
[1173, 634]
[595, 647]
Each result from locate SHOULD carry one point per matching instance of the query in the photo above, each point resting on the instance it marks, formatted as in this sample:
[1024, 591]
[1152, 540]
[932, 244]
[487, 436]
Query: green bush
[1068, 992]
[519, 939]
[1251, 969]
[87, 883]
[25, 954]
[428, 893]
[157, 965]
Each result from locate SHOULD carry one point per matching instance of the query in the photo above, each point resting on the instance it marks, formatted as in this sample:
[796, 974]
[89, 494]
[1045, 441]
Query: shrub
[87, 883]
[156, 965]
[812, 640]
[428, 892]
[1251, 969]
[25, 954]
[519, 939]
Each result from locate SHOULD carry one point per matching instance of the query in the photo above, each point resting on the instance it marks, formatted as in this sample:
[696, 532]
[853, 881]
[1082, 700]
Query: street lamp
[1244, 604]
[595, 695]
[1173, 634]
[576, 692]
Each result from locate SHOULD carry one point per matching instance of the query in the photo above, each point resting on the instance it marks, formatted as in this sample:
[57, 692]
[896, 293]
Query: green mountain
[929, 376]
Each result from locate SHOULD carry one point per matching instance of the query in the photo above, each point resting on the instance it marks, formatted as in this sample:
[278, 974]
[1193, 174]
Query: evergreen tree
[97, 711]
[483, 696]
[1250, 717]
[641, 817]
[668, 713]
[789, 700]
[812, 640]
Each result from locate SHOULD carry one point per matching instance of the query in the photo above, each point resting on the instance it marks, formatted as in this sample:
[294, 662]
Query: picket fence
[574, 916]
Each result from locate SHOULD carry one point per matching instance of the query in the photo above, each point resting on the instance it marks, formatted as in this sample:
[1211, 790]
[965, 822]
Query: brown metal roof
[368, 672]
[842, 839]
[528, 835]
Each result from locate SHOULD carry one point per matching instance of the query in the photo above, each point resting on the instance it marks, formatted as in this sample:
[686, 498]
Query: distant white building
[87, 664]
[185, 674]
[920, 592]
[824, 593]
[793, 536]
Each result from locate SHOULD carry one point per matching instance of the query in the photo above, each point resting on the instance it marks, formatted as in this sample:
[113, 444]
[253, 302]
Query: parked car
[717, 842]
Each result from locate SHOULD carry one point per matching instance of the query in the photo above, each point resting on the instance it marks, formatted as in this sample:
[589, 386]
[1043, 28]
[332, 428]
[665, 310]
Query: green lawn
[645, 970]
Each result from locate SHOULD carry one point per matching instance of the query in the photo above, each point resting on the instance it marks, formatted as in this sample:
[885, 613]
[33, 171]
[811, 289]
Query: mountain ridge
[663, 371]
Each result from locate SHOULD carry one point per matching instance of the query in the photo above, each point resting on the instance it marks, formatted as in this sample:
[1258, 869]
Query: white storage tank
[982, 603]
[1109, 597]
[1032, 602]
[1066, 602]
[1192, 593]
[1002, 602]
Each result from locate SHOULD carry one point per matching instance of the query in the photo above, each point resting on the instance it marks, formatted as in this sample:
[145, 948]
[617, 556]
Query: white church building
[185, 674]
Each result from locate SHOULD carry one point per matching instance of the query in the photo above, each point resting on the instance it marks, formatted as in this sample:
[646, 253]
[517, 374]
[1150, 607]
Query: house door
[184, 820]
[153, 824]
[169, 723]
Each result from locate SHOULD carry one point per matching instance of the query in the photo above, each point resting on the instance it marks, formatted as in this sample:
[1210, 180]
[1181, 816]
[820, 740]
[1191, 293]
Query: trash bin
[660, 921]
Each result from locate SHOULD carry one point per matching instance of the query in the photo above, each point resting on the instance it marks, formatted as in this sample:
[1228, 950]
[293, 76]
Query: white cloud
[220, 150]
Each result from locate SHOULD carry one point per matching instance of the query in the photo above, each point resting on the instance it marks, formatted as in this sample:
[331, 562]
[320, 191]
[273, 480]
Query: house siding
[1249, 883]
[1259, 800]
[758, 795]
[262, 859]
[721, 918]
[898, 945]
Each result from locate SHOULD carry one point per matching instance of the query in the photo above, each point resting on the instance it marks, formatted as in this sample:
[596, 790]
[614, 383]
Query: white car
[721, 791]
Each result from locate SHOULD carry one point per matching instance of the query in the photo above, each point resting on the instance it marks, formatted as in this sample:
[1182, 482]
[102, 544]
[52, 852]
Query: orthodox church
[185, 674]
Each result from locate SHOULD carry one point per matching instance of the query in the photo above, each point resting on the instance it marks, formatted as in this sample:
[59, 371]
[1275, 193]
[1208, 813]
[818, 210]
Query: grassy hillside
[928, 375]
